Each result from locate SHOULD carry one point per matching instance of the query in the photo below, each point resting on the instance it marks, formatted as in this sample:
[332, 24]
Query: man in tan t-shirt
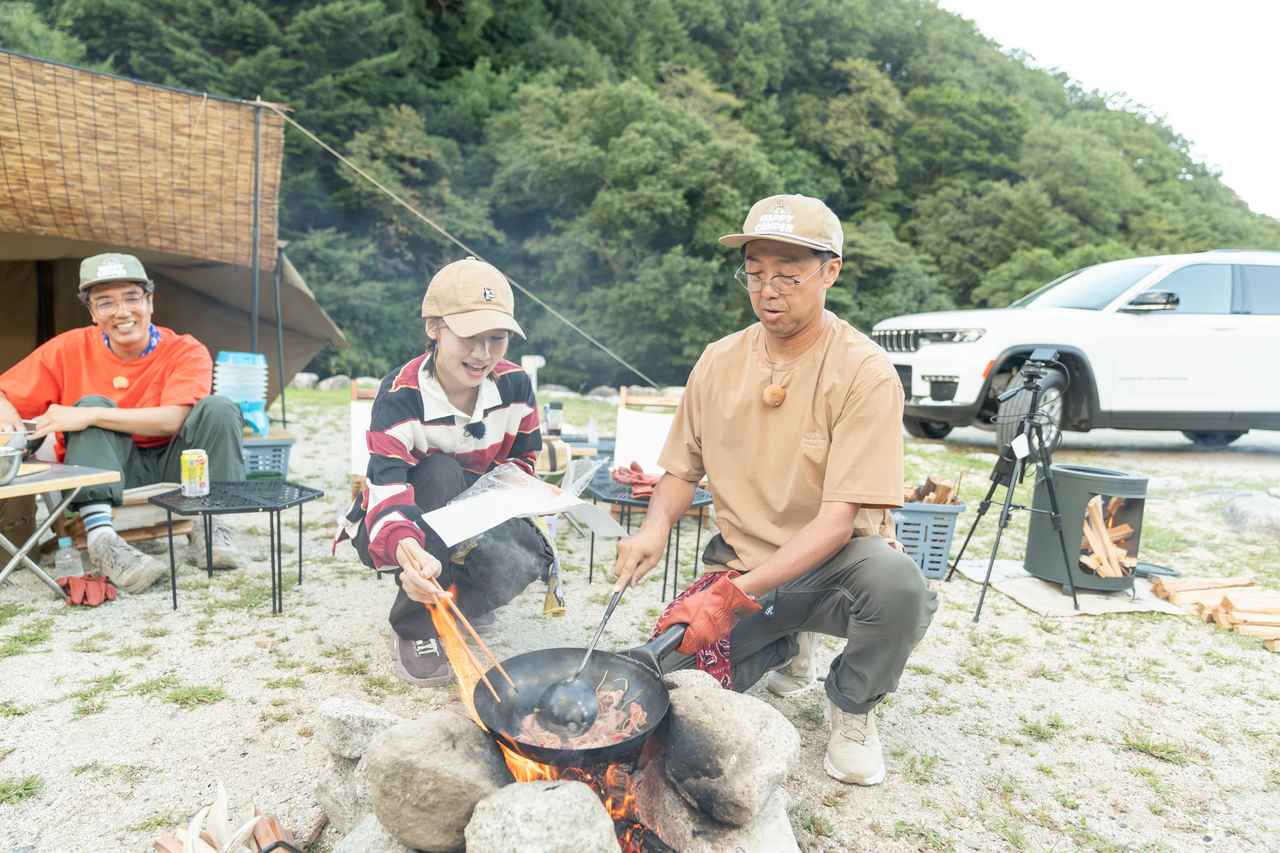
[796, 421]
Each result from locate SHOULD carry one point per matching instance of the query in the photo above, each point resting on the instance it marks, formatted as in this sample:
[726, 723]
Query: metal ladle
[569, 707]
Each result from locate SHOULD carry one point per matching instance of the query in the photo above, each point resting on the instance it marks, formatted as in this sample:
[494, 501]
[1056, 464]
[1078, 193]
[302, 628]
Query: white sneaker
[853, 755]
[130, 569]
[798, 674]
[225, 553]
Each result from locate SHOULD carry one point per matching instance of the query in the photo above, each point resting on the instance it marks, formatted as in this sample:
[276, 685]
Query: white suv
[1174, 342]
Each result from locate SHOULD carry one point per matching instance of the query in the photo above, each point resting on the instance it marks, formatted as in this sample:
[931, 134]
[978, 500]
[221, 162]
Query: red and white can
[195, 473]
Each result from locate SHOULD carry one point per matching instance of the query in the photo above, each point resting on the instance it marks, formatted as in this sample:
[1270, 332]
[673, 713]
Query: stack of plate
[242, 376]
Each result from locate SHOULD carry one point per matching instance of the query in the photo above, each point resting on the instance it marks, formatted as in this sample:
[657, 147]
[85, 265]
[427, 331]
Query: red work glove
[709, 614]
[88, 590]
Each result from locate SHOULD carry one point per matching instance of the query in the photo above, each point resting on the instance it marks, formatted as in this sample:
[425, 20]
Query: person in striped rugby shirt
[438, 423]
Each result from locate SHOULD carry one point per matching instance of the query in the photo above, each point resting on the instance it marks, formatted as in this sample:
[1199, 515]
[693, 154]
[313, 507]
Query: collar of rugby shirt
[435, 403]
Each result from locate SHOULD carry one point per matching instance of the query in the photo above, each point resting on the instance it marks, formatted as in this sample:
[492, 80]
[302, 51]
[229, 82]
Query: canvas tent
[91, 163]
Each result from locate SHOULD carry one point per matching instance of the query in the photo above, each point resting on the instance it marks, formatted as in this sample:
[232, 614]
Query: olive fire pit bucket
[1123, 497]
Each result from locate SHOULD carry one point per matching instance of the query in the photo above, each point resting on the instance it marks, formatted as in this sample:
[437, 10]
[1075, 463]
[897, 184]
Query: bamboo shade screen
[89, 156]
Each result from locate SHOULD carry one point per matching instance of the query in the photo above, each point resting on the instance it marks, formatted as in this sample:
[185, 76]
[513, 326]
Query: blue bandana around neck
[153, 341]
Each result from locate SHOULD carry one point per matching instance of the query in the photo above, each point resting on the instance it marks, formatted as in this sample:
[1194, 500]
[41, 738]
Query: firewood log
[1163, 587]
[1260, 600]
[942, 494]
[1221, 618]
[1272, 645]
[1113, 506]
[1119, 533]
[1095, 530]
[1210, 597]
[1266, 632]
[1250, 617]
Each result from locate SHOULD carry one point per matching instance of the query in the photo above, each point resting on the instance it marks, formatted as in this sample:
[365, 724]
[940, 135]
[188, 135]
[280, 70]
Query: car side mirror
[1151, 300]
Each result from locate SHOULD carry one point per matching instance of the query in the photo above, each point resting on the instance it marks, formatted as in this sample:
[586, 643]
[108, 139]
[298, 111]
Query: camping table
[270, 496]
[54, 478]
[604, 488]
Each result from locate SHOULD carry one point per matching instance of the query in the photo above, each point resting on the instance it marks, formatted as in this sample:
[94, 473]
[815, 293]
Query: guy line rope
[413, 210]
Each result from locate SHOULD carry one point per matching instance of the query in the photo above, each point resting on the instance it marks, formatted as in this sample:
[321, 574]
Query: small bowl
[10, 464]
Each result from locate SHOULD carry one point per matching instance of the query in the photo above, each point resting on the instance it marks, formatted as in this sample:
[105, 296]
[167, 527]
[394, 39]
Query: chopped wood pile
[934, 491]
[1102, 549]
[1236, 604]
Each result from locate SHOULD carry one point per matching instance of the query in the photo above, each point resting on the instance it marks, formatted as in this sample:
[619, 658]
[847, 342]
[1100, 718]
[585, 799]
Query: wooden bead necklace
[774, 393]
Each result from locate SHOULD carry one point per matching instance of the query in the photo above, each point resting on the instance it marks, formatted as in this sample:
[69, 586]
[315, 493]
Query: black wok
[637, 669]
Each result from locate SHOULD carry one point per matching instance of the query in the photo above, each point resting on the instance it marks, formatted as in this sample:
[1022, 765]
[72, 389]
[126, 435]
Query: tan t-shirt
[836, 437]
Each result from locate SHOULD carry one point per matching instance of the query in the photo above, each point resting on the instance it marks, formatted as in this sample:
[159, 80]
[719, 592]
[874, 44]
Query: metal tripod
[1008, 472]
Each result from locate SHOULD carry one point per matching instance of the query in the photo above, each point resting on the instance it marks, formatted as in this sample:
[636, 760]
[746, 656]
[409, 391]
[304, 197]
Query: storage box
[925, 531]
[266, 458]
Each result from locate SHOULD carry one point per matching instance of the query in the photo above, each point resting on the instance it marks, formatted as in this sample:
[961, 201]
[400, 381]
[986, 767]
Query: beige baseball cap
[796, 219]
[100, 269]
[472, 297]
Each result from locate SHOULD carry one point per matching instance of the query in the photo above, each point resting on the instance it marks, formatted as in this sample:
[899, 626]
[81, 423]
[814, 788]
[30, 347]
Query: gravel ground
[1110, 733]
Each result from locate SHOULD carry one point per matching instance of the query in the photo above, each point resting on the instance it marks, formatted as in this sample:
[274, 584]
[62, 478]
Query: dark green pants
[213, 425]
[868, 593]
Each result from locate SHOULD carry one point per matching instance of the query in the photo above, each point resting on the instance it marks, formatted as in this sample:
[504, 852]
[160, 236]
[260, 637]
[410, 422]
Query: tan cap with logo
[100, 269]
[796, 219]
[472, 297]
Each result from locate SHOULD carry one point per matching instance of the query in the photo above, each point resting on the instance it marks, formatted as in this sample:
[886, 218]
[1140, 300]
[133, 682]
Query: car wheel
[1212, 439]
[1052, 407]
[921, 428]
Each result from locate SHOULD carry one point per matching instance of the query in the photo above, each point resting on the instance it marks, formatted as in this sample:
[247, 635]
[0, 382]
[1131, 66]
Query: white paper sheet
[472, 516]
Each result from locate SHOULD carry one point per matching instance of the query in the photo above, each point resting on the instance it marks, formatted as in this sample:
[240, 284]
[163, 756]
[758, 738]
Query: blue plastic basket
[266, 458]
[926, 530]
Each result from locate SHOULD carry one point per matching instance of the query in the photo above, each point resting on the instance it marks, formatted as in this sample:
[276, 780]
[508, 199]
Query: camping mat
[1049, 599]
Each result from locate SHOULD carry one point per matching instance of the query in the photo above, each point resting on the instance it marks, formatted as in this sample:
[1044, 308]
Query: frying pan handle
[652, 652]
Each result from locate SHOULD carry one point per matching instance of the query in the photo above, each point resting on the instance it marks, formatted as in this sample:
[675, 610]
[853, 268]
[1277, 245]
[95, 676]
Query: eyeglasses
[783, 284]
[108, 306]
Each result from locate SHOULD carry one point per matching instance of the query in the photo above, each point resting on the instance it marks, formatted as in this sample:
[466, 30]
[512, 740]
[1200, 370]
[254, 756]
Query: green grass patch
[31, 636]
[9, 708]
[156, 822]
[1170, 753]
[1045, 731]
[9, 610]
[293, 682]
[189, 697]
[381, 685]
[157, 686]
[920, 837]
[921, 769]
[16, 790]
[144, 650]
[155, 632]
[92, 698]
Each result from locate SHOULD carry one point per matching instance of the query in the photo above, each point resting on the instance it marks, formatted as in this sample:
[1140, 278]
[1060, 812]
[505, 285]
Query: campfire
[1107, 548]
[612, 782]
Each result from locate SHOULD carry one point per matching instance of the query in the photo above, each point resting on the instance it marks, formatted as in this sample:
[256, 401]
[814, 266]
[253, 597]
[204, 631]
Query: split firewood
[1210, 597]
[1092, 562]
[1266, 632]
[1251, 617]
[1095, 530]
[1261, 600]
[1164, 587]
[942, 494]
[1272, 645]
[1202, 610]
[1113, 506]
[1222, 618]
[1119, 533]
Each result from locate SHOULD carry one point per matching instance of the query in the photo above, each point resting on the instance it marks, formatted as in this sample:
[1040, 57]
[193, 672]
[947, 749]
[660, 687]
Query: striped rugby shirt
[412, 419]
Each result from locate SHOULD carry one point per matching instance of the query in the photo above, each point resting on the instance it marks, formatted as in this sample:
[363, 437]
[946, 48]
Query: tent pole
[257, 195]
[284, 414]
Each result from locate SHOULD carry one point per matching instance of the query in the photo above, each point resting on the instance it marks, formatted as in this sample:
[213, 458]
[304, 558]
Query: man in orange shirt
[127, 395]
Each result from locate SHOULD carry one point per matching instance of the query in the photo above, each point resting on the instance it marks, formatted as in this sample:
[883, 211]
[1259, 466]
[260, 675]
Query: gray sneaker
[420, 662]
[225, 553]
[130, 569]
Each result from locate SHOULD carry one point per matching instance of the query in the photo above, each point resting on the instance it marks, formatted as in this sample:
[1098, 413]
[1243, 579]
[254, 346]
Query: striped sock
[97, 521]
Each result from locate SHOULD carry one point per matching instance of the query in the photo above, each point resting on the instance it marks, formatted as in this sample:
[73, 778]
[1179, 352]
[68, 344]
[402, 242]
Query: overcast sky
[1209, 68]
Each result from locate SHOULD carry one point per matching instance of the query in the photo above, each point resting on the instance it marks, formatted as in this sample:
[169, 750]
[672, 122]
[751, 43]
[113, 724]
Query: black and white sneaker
[421, 662]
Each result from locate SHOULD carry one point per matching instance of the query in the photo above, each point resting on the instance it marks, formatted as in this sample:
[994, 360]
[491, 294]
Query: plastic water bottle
[593, 433]
[66, 560]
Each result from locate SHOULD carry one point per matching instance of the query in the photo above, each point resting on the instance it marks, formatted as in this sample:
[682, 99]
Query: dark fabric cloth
[868, 593]
[488, 571]
[214, 425]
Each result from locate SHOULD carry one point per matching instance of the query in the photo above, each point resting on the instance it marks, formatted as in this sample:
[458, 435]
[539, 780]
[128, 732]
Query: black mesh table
[270, 496]
[604, 488]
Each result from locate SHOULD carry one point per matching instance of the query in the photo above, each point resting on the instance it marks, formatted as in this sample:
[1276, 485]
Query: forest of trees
[595, 150]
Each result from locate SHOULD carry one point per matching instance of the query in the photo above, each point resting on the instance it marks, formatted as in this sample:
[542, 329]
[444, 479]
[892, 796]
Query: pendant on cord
[774, 394]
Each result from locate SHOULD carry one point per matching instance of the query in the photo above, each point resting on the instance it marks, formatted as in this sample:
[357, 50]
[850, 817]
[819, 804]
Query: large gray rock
[333, 383]
[1254, 512]
[726, 753]
[427, 775]
[343, 792]
[369, 836]
[304, 380]
[552, 388]
[603, 392]
[688, 830]
[347, 725]
[541, 817]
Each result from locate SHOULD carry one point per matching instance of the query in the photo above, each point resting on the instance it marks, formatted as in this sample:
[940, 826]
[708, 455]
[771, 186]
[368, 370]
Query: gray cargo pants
[868, 593]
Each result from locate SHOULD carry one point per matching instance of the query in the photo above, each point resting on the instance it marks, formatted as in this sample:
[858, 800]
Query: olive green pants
[213, 425]
[868, 593]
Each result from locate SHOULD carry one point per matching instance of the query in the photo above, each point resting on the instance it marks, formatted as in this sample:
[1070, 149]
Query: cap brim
[88, 284]
[734, 241]
[471, 323]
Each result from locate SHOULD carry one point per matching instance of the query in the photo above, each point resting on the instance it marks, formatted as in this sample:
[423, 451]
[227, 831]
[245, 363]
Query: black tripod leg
[1056, 514]
[982, 510]
[1005, 509]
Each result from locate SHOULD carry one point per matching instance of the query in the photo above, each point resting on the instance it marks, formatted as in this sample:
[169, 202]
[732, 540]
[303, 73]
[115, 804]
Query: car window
[1092, 288]
[1261, 288]
[1201, 288]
